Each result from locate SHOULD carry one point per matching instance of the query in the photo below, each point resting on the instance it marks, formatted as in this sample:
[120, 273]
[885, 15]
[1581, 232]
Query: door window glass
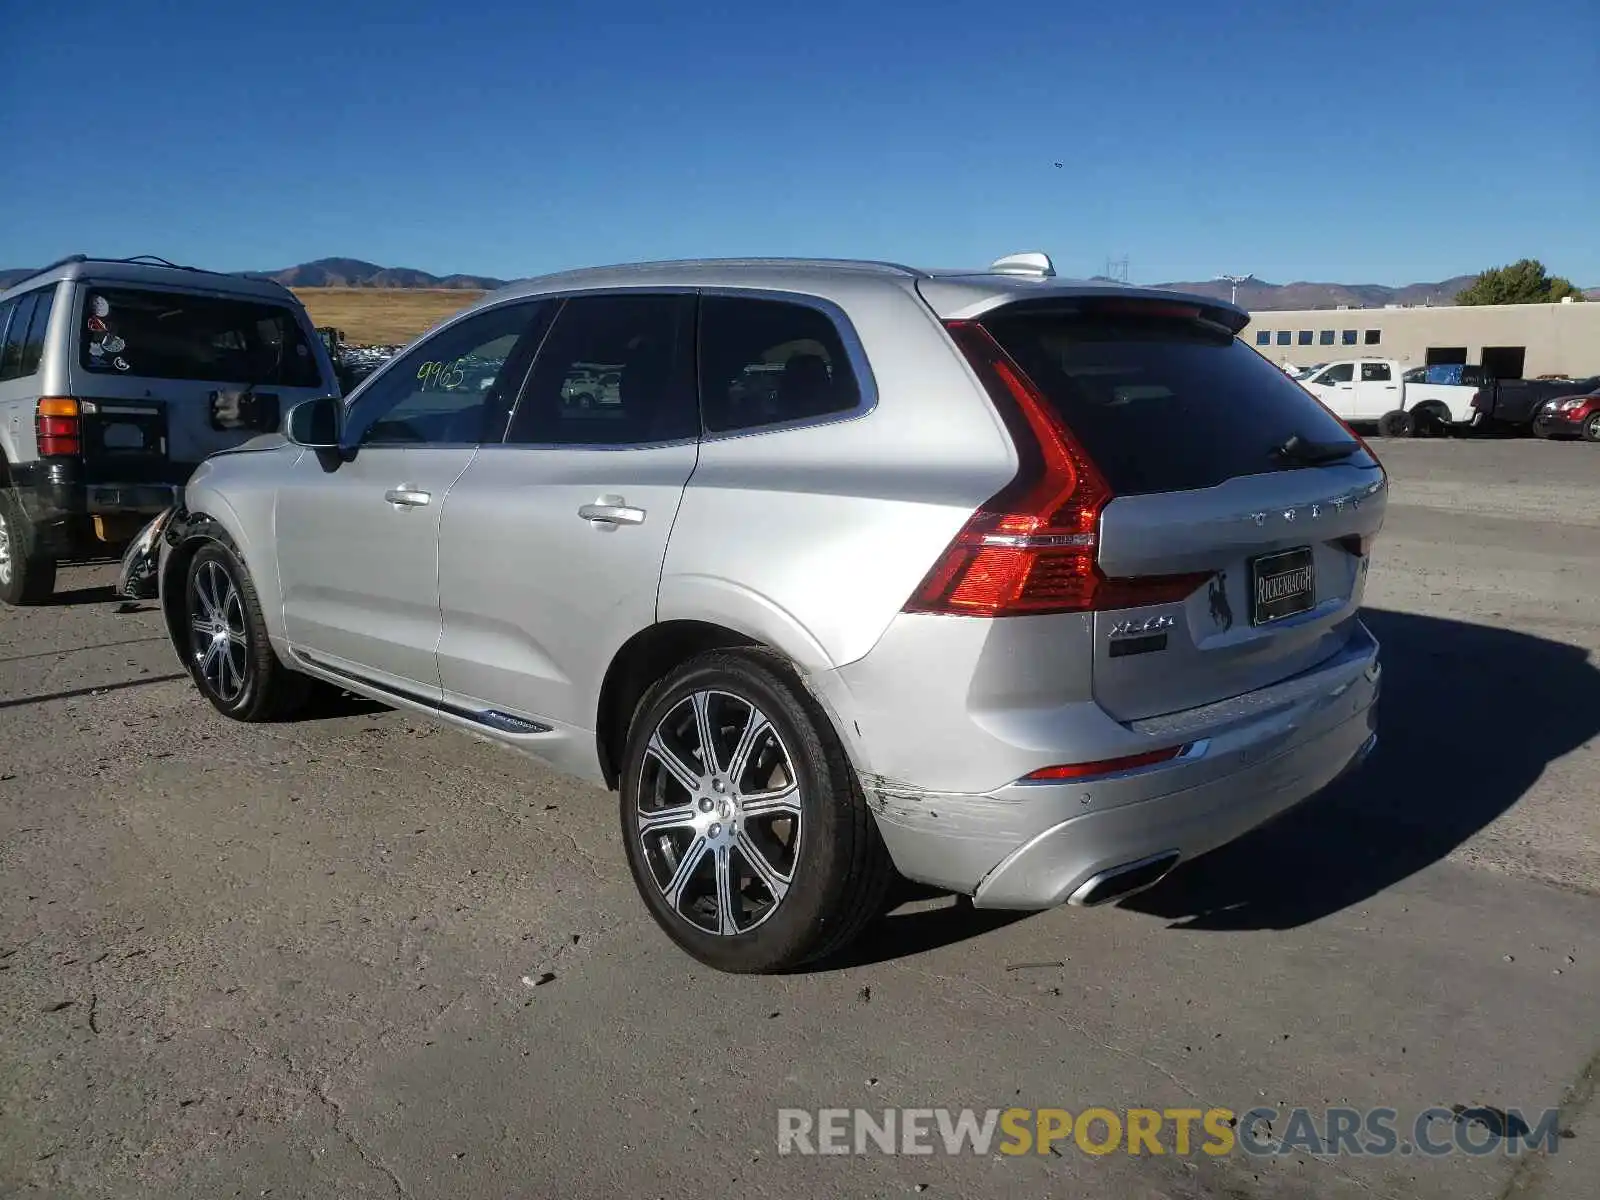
[447, 387]
[613, 371]
[1376, 372]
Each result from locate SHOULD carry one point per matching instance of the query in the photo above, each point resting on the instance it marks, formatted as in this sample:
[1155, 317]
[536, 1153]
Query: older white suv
[1027, 588]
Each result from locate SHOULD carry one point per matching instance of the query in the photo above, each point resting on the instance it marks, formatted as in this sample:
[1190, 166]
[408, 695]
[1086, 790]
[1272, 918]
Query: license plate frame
[1270, 604]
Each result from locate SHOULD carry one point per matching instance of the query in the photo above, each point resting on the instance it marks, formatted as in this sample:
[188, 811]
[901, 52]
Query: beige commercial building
[1514, 341]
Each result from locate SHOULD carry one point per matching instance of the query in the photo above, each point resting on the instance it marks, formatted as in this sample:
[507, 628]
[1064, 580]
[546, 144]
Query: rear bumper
[56, 489]
[1033, 845]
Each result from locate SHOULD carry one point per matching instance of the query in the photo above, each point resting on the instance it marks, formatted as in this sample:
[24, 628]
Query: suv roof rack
[154, 260]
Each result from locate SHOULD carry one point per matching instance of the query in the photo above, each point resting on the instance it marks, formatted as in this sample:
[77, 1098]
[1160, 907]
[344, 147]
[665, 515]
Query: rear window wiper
[1296, 449]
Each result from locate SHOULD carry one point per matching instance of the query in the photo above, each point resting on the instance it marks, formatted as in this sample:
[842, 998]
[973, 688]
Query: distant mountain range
[1255, 295]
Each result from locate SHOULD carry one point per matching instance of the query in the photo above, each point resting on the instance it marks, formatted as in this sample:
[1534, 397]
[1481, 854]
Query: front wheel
[26, 577]
[1591, 428]
[225, 642]
[745, 826]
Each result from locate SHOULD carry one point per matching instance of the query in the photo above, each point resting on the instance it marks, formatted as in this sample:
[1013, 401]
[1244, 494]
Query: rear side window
[1163, 404]
[33, 340]
[769, 362]
[176, 335]
[15, 335]
[1375, 373]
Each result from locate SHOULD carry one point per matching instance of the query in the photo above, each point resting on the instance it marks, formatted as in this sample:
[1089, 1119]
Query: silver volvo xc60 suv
[1026, 588]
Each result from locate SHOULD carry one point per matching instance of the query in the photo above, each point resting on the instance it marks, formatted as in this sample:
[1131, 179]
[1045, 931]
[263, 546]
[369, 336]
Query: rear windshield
[1164, 404]
[174, 335]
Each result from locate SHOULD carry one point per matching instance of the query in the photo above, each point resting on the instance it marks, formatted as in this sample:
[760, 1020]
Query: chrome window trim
[844, 328]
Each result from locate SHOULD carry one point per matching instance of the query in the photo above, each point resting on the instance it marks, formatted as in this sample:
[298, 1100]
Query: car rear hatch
[1207, 514]
[172, 376]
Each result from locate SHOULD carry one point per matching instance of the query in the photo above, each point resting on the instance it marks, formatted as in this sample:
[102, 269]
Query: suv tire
[1396, 424]
[26, 577]
[779, 788]
[225, 644]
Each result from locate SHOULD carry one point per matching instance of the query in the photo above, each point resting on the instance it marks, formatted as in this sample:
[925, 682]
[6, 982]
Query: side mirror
[315, 424]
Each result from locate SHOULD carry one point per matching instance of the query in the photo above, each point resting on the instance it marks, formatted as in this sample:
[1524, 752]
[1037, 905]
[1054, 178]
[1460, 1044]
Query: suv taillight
[1031, 548]
[57, 425]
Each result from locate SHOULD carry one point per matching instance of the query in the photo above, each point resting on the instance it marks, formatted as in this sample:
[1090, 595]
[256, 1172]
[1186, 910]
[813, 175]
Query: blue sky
[1363, 141]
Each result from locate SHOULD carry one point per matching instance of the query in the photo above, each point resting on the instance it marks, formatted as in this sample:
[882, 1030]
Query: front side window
[449, 386]
[614, 370]
[180, 335]
[1338, 373]
[770, 362]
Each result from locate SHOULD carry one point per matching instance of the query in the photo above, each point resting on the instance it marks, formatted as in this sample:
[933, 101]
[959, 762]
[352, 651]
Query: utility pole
[1236, 280]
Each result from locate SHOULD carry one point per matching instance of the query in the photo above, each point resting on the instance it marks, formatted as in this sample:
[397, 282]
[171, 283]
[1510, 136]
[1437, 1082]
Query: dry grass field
[382, 316]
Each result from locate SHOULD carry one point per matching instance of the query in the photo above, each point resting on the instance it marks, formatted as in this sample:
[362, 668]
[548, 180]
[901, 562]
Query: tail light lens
[58, 426]
[1031, 548]
[1105, 766]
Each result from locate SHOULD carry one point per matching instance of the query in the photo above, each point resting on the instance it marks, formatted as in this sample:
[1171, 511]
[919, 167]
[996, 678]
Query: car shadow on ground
[1469, 718]
[85, 595]
[911, 925]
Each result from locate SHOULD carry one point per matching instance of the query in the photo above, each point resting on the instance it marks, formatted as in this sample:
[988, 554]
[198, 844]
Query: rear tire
[1431, 423]
[225, 643]
[1397, 424]
[26, 576]
[765, 857]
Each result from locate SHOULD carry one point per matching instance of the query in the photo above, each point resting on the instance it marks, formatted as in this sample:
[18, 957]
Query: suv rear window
[176, 335]
[1163, 404]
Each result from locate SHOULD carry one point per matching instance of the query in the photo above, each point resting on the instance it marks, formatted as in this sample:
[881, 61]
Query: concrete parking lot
[356, 956]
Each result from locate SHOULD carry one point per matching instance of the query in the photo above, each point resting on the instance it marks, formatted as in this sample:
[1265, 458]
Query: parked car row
[1404, 403]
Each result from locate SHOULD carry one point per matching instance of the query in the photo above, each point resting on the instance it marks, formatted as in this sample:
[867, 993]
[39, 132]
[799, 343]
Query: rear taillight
[58, 427]
[1031, 548]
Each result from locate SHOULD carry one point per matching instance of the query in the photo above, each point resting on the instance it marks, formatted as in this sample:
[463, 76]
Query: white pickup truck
[1373, 390]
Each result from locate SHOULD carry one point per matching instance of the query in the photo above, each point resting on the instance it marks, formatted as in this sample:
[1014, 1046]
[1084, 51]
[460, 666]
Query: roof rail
[1028, 262]
[60, 262]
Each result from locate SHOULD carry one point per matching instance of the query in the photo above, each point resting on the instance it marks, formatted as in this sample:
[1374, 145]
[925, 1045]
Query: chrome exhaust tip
[1116, 882]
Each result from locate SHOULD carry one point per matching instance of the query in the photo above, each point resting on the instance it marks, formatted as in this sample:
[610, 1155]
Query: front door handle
[611, 510]
[407, 497]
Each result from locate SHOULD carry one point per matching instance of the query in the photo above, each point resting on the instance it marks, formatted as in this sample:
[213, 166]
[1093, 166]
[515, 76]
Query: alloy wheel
[719, 814]
[217, 633]
[5, 550]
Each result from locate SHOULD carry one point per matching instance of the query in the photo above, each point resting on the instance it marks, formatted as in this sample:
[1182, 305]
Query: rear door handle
[611, 510]
[407, 497]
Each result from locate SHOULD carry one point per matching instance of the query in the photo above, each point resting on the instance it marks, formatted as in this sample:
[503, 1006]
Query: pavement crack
[320, 1091]
[1528, 1176]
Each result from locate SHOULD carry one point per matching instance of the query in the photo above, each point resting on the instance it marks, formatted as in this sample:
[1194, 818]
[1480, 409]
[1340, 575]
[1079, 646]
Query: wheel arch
[642, 660]
[187, 535]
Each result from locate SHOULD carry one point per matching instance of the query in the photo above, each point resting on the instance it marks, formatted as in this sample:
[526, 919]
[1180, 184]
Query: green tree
[1523, 282]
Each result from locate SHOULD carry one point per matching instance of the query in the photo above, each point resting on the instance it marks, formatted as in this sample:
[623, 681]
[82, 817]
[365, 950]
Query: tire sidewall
[32, 577]
[821, 865]
[1591, 428]
[250, 696]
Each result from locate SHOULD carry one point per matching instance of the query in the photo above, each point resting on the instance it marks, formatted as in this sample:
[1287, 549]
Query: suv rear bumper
[63, 498]
[1034, 844]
